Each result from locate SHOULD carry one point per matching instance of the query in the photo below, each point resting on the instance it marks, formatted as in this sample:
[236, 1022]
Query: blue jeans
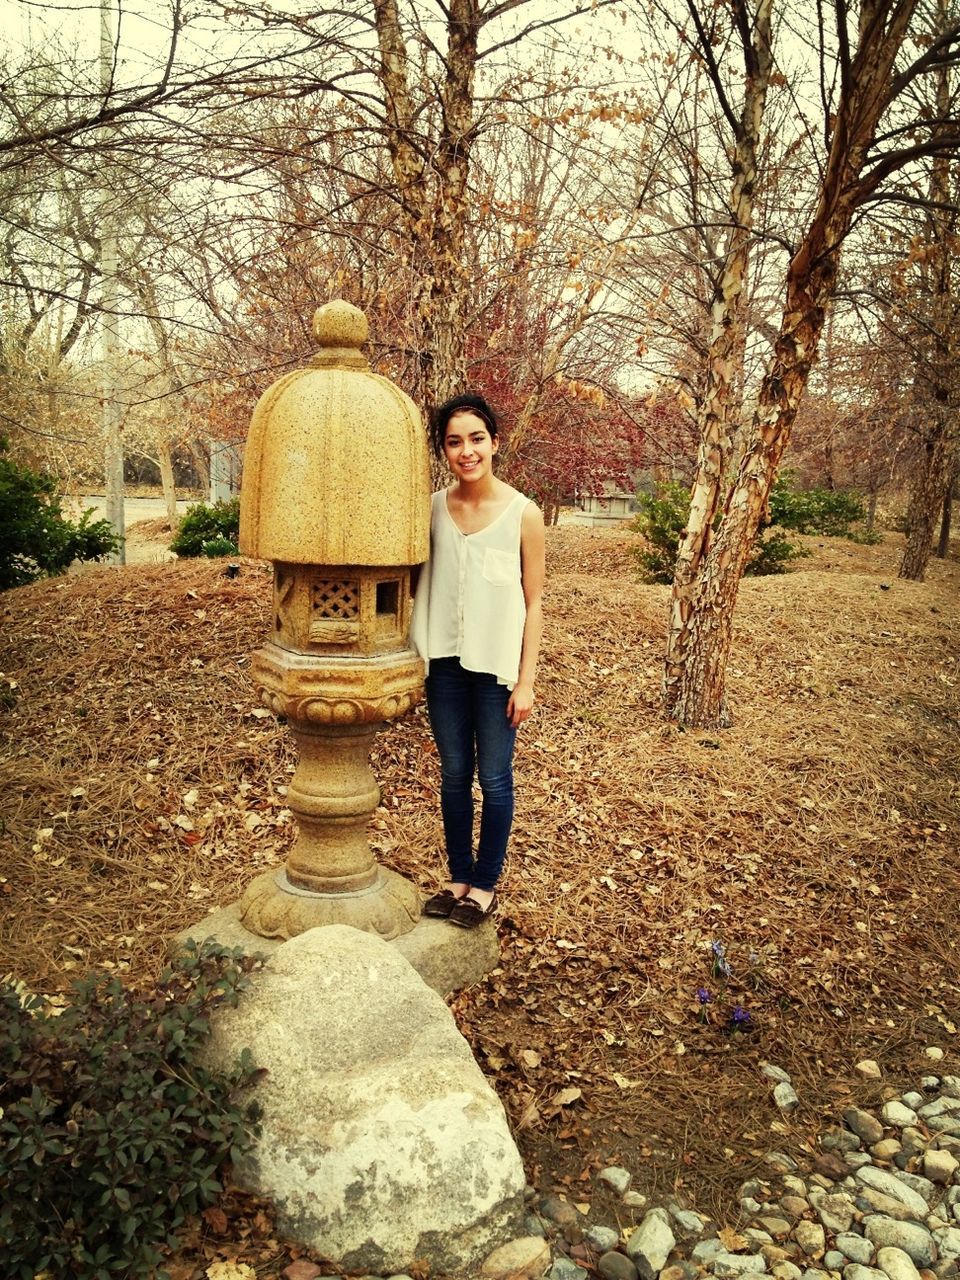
[468, 716]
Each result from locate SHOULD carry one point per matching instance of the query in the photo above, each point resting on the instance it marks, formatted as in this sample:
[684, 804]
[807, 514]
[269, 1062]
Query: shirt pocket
[501, 568]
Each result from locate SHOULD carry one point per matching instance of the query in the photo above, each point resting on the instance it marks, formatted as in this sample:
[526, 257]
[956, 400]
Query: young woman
[477, 621]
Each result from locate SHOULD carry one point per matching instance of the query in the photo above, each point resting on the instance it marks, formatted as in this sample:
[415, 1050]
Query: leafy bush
[865, 537]
[111, 1132]
[772, 553]
[36, 539]
[830, 512]
[219, 547]
[663, 516]
[204, 524]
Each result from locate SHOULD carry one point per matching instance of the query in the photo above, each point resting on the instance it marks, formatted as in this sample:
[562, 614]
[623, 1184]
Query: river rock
[857, 1272]
[601, 1238]
[948, 1242]
[786, 1270]
[840, 1140]
[909, 1236]
[857, 1159]
[775, 1073]
[810, 1237]
[560, 1212]
[564, 1269]
[729, 1265]
[835, 1211]
[616, 1266]
[896, 1113]
[649, 1246]
[523, 1259]
[775, 1225]
[796, 1206]
[617, 1178]
[871, 1201]
[705, 1251]
[886, 1149]
[891, 1186]
[939, 1166]
[854, 1247]
[896, 1264]
[944, 1105]
[867, 1127]
[785, 1096]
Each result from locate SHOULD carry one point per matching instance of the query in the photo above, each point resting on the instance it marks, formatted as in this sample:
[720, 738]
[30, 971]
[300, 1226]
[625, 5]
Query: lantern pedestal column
[334, 708]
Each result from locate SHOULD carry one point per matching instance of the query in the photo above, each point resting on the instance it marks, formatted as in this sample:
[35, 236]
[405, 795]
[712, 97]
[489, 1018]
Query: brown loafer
[468, 913]
[441, 904]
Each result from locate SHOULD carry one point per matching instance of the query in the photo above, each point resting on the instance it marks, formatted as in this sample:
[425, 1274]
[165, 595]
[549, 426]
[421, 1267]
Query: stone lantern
[336, 492]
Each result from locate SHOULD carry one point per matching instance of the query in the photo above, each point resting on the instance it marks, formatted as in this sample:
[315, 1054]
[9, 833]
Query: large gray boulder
[382, 1143]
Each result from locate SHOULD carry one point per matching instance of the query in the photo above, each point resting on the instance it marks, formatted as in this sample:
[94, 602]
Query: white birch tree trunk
[702, 614]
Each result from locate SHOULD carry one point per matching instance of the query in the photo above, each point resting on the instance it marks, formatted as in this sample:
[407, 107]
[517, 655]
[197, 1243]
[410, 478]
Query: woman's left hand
[520, 705]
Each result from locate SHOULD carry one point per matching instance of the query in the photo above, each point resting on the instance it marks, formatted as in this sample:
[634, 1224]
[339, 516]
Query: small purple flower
[740, 1018]
[703, 999]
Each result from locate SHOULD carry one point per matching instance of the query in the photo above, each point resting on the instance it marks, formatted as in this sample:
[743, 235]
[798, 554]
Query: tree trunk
[433, 195]
[165, 463]
[705, 594]
[932, 481]
[946, 518]
[929, 492]
[871, 510]
[719, 403]
[695, 675]
[201, 464]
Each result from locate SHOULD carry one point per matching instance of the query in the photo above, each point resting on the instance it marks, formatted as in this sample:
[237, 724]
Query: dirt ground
[817, 842]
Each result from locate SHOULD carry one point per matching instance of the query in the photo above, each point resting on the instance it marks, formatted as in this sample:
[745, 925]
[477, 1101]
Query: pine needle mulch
[817, 842]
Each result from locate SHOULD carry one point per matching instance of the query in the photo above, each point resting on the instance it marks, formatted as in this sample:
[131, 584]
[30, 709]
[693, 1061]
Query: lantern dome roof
[336, 469]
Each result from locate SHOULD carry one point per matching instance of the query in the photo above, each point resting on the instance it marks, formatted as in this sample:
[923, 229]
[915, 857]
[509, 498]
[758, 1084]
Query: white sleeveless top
[469, 602]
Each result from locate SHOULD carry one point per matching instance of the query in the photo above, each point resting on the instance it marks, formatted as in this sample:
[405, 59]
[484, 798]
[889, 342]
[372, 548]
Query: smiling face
[469, 447]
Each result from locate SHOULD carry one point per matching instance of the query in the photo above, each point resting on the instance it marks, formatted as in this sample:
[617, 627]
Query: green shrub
[111, 1132]
[865, 537]
[662, 518]
[216, 524]
[36, 539]
[772, 553]
[830, 512]
[219, 547]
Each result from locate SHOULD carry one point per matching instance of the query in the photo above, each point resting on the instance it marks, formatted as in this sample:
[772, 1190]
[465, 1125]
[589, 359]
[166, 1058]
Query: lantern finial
[340, 329]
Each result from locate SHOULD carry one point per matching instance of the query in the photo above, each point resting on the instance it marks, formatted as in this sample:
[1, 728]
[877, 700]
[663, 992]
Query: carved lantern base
[273, 907]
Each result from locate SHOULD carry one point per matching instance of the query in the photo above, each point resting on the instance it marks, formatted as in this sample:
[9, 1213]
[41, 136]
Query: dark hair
[465, 403]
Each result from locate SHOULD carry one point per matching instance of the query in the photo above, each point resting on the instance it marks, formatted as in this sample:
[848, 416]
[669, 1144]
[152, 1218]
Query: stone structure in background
[336, 493]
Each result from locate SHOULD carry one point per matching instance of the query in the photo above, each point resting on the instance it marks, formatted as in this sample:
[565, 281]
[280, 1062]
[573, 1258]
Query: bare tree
[937, 371]
[867, 69]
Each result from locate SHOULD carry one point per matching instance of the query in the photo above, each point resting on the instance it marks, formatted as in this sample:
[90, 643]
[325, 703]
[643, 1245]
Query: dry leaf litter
[679, 905]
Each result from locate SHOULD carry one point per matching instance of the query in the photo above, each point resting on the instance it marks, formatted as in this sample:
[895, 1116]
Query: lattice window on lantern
[334, 611]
